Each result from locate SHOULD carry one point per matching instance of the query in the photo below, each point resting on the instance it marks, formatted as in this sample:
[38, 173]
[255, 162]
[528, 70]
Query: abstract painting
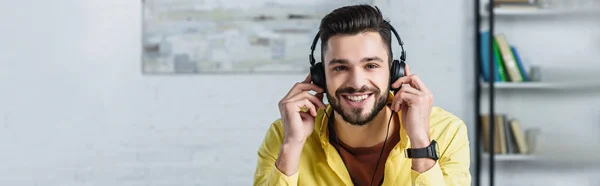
[231, 36]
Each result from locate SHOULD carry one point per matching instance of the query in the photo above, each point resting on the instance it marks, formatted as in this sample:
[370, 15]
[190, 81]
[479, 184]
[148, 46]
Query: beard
[354, 116]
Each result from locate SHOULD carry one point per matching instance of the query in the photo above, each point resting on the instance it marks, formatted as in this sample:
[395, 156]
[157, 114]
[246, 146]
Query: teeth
[357, 98]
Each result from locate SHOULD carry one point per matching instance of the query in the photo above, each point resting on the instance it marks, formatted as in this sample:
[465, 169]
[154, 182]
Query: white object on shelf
[542, 85]
[509, 157]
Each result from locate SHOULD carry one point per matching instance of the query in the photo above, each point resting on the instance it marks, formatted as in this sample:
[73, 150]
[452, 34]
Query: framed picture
[231, 36]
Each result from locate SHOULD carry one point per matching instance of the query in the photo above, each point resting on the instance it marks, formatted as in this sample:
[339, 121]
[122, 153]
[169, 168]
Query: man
[367, 135]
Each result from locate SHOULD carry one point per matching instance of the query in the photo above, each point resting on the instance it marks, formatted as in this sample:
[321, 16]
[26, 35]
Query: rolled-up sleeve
[433, 176]
[266, 172]
[452, 169]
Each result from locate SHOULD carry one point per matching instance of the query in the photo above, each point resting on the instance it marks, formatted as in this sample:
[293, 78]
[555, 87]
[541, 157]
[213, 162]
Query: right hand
[298, 124]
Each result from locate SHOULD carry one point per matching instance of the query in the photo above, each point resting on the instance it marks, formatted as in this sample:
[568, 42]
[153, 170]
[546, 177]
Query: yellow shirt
[320, 163]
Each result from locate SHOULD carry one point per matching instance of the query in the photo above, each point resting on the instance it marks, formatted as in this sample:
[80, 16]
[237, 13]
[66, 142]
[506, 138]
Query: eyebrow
[363, 60]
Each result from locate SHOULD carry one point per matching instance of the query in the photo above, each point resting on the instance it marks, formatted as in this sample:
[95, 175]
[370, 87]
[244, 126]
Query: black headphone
[317, 71]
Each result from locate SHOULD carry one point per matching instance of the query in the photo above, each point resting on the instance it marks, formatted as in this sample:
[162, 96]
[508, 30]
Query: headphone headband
[316, 39]
[312, 48]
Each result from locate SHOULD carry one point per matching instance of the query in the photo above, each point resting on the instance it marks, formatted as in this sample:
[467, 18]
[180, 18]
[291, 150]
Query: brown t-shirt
[361, 161]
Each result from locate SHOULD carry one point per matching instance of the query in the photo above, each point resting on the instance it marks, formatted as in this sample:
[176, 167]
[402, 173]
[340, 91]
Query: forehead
[353, 48]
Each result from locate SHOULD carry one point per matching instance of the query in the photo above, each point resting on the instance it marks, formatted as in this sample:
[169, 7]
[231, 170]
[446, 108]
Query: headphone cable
[382, 148]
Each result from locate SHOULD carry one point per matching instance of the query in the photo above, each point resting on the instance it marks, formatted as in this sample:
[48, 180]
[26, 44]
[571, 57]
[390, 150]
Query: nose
[357, 78]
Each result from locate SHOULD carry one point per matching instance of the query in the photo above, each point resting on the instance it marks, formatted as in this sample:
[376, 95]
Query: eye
[339, 68]
[372, 66]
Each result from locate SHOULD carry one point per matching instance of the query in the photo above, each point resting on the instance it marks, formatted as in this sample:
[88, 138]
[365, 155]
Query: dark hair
[352, 20]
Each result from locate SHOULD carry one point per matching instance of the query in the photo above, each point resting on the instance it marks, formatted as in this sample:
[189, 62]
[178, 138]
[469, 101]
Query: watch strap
[427, 152]
[418, 153]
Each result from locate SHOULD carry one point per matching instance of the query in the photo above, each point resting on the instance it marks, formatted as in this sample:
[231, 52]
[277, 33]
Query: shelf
[539, 11]
[509, 157]
[542, 85]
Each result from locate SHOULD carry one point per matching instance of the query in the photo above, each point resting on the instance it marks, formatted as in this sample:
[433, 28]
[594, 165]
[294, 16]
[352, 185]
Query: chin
[358, 108]
[359, 120]
[358, 115]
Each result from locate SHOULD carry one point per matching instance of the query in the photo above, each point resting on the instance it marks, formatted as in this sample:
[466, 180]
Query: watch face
[437, 150]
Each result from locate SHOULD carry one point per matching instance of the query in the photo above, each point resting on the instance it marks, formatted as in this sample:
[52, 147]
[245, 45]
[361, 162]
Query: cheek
[333, 83]
[333, 88]
[381, 79]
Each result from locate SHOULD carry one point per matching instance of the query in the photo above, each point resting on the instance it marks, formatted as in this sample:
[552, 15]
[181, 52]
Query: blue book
[519, 63]
[485, 58]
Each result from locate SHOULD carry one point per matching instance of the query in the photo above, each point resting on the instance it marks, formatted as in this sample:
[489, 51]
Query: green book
[499, 63]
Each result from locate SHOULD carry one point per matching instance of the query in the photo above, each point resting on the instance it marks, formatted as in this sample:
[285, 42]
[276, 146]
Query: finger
[305, 115]
[302, 106]
[403, 80]
[312, 98]
[411, 90]
[307, 87]
[400, 81]
[303, 103]
[396, 103]
[307, 79]
[408, 99]
[413, 80]
[306, 104]
[299, 87]
[320, 96]
[419, 83]
[400, 99]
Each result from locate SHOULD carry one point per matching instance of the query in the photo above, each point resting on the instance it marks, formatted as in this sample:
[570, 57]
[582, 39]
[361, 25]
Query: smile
[357, 98]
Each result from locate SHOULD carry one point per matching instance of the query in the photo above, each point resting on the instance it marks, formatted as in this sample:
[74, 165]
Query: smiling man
[380, 126]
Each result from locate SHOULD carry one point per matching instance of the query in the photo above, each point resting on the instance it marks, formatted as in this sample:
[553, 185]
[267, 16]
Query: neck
[367, 135]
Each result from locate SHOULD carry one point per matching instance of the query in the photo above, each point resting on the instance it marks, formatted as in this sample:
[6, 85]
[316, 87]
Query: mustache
[351, 90]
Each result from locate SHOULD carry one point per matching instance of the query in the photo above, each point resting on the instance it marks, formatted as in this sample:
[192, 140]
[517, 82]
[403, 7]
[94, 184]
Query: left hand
[415, 102]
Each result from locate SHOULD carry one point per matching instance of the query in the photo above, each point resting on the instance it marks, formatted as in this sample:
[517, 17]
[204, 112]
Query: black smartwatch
[430, 151]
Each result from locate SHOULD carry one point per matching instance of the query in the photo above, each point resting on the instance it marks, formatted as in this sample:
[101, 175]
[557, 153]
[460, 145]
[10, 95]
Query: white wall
[76, 110]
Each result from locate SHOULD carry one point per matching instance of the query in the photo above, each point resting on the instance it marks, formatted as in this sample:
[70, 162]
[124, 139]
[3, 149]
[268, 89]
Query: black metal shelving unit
[478, 136]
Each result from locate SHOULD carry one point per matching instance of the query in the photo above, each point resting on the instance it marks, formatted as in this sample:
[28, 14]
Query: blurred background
[181, 92]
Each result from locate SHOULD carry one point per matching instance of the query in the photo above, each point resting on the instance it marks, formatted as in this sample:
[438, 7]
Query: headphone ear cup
[396, 72]
[317, 75]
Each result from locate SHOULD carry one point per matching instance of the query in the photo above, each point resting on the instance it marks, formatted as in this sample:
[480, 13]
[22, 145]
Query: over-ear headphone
[317, 71]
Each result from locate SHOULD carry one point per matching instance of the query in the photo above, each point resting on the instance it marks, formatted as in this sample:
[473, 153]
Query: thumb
[305, 116]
